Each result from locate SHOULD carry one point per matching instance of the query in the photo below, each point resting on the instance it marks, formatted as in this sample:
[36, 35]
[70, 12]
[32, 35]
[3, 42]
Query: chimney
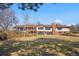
[54, 32]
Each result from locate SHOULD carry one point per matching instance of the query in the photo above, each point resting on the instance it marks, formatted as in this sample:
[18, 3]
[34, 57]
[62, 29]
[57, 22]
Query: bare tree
[25, 17]
[77, 27]
[72, 28]
[7, 19]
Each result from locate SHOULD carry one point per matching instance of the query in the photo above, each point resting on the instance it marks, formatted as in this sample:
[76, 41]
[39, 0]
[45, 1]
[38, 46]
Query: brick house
[43, 29]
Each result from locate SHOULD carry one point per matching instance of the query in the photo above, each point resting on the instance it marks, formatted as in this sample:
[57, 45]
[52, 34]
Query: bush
[67, 33]
[16, 34]
[11, 34]
[3, 36]
[75, 32]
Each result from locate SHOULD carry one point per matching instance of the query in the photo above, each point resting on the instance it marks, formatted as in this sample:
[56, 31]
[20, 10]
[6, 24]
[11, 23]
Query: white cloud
[57, 21]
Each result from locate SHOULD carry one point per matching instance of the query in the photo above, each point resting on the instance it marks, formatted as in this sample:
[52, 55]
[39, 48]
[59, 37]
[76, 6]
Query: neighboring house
[43, 29]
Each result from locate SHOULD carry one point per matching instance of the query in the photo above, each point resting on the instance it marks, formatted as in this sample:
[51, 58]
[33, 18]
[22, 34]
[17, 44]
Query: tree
[77, 27]
[72, 28]
[22, 6]
[7, 19]
[38, 22]
[25, 17]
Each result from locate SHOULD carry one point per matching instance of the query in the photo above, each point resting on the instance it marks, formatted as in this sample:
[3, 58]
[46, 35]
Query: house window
[34, 28]
[47, 28]
[40, 28]
[59, 28]
[25, 29]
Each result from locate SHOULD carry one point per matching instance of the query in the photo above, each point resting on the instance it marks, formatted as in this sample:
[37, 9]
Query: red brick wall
[53, 29]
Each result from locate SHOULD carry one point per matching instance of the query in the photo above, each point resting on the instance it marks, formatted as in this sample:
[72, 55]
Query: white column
[44, 30]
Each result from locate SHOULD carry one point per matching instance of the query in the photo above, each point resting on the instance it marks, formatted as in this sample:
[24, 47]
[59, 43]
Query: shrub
[3, 36]
[67, 33]
[75, 32]
[11, 34]
[15, 34]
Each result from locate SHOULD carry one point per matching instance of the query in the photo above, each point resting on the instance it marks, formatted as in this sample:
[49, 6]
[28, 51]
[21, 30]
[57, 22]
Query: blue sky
[66, 13]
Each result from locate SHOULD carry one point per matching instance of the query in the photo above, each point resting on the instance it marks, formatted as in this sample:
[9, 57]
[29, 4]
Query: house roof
[63, 26]
[35, 25]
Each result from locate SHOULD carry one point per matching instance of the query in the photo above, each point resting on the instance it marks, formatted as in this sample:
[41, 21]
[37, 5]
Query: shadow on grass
[38, 47]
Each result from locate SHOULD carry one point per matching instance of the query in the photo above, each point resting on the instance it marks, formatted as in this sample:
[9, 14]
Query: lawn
[60, 37]
[40, 45]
